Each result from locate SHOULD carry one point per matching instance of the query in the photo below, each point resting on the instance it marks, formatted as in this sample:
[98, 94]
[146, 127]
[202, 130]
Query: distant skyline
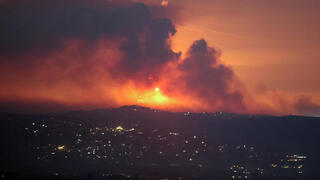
[249, 56]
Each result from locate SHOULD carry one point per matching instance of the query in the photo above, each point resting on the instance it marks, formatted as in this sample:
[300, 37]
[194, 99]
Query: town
[69, 145]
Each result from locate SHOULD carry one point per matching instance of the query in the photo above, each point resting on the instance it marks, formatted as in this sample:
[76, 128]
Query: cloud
[45, 24]
[204, 76]
[38, 27]
[150, 48]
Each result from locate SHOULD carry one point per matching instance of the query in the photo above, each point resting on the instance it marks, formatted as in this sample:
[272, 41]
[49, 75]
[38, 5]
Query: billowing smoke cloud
[45, 24]
[80, 53]
[40, 26]
[205, 77]
[64, 55]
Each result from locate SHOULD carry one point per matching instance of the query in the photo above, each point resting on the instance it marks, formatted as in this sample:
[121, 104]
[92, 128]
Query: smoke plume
[68, 55]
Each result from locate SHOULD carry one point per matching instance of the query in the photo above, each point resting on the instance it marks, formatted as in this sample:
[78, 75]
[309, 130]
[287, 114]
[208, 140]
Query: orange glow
[164, 3]
[70, 83]
[74, 84]
[61, 148]
[154, 98]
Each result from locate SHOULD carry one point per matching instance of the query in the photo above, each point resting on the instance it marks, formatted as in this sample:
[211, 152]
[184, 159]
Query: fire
[153, 98]
[61, 148]
[164, 3]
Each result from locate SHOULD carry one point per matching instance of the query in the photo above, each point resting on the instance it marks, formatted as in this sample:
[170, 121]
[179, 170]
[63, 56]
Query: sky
[261, 39]
[248, 56]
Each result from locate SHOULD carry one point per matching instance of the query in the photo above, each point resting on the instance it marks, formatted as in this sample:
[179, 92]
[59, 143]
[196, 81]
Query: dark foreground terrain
[134, 142]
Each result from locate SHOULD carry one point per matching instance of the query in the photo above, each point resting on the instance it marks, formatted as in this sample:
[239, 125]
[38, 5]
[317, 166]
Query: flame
[164, 3]
[153, 98]
[61, 148]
